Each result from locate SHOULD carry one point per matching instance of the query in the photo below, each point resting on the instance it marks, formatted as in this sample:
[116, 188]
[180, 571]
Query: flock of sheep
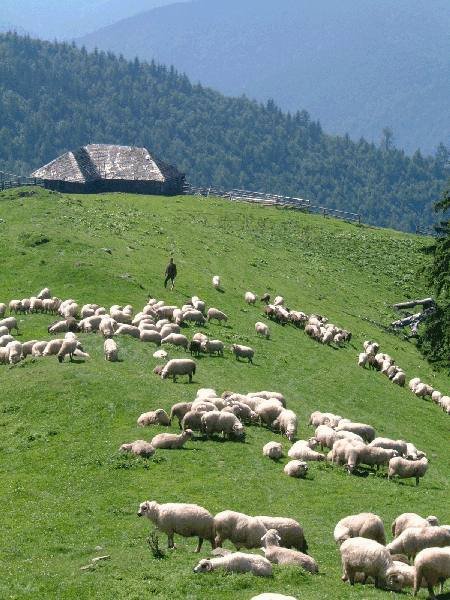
[361, 537]
[386, 365]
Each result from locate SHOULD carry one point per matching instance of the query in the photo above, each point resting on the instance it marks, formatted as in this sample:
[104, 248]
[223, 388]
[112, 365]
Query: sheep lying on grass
[171, 441]
[154, 417]
[296, 468]
[284, 556]
[139, 448]
[187, 520]
[236, 562]
[273, 450]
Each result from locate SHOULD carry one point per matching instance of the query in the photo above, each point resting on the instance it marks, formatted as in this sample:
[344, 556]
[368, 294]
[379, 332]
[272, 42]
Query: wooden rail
[265, 199]
[8, 183]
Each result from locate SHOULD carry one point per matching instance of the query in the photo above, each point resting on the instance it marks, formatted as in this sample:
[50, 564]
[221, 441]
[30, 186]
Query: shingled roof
[96, 162]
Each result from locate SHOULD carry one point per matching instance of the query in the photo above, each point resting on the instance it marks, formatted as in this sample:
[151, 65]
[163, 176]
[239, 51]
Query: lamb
[154, 417]
[302, 451]
[223, 422]
[179, 410]
[401, 575]
[273, 450]
[213, 346]
[362, 525]
[179, 366]
[242, 530]
[216, 314]
[404, 468]
[250, 297]
[362, 555]
[367, 432]
[287, 422]
[284, 556]
[216, 282]
[414, 539]
[10, 323]
[296, 468]
[432, 565]
[171, 441]
[176, 339]
[406, 520]
[387, 443]
[14, 350]
[268, 410]
[236, 562]
[187, 520]
[139, 448]
[243, 352]
[63, 326]
[290, 531]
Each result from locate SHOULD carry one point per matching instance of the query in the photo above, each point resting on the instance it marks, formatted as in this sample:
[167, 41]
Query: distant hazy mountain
[357, 65]
[66, 19]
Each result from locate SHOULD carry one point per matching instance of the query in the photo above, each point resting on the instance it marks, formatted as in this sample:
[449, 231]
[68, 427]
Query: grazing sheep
[223, 422]
[325, 435]
[5, 340]
[242, 530]
[216, 282]
[269, 395]
[15, 306]
[268, 411]
[387, 443]
[302, 451]
[401, 575]
[367, 432]
[414, 539]
[366, 556]
[206, 393]
[348, 435]
[284, 556]
[366, 455]
[278, 301]
[169, 328]
[14, 350]
[27, 347]
[212, 347]
[176, 339]
[296, 468]
[236, 562]
[111, 351]
[107, 326]
[69, 348]
[158, 370]
[341, 450]
[362, 359]
[2, 309]
[171, 441]
[139, 448]
[4, 356]
[179, 410]
[44, 293]
[192, 420]
[187, 520]
[262, 329]
[405, 468]
[273, 450]
[199, 337]
[432, 565]
[399, 378]
[216, 314]
[10, 323]
[179, 366]
[319, 418]
[250, 297]
[287, 423]
[154, 417]
[413, 383]
[150, 336]
[194, 316]
[126, 329]
[243, 412]
[195, 348]
[436, 396]
[4, 330]
[39, 348]
[406, 520]
[63, 326]
[290, 531]
[203, 405]
[243, 352]
[363, 525]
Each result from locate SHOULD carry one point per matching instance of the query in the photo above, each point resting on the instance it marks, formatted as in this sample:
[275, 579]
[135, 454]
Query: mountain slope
[67, 19]
[54, 97]
[357, 65]
[68, 495]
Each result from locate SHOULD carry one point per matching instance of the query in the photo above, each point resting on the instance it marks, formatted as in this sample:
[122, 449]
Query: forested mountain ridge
[55, 97]
[357, 65]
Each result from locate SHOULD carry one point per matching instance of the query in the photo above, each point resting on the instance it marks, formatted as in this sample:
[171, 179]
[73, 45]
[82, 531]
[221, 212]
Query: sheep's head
[160, 412]
[432, 520]
[148, 509]
[239, 431]
[271, 538]
[125, 447]
[313, 443]
[203, 566]
[187, 434]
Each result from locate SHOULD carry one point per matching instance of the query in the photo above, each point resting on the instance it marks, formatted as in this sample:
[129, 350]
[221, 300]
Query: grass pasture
[67, 494]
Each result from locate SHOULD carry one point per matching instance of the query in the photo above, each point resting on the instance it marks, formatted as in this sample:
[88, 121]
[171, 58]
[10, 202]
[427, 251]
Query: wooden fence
[7, 183]
[265, 199]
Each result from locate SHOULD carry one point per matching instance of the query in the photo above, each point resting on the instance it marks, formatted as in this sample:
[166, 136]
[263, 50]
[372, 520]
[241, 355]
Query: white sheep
[278, 301]
[126, 329]
[171, 441]
[154, 417]
[150, 336]
[262, 329]
[406, 520]
[223, 422]
[399, 378]
[325, 435]
[213, 347]
[236, 562]
[216, 282]
[27, 347]
[273, 450]
[414, 539]
[10, 323]
[187, 520]
[250, 297]
[2, 309]
[364, 525]
[107, 326]
[284, 556]
[179, 410]
[14, 350]
[362, 359]
[179, 366]
[290, 531]
[243, 352]
[296, 468]
[367, 455]
[412, 453]
[139, 448]
[192, 420]
[387, 443]
[5, 340]
[287, 423]
[4, 330]
[301, 450]
[405, 468]
[268, 410]
[242, 530]
[366, 556]
[176, 339]
[367, 432]
[433, 565]
[317, 418]
[39, 348]
[4, 356]
[44, 293]
[269, 395]
[216, 315]
[436, 396]
[68, 348]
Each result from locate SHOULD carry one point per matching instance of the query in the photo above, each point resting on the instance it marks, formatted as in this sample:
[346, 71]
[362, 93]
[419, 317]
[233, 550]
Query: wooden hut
[106, 168]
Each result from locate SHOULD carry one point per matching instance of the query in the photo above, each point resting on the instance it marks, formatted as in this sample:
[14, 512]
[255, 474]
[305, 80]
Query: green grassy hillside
[67, 494]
